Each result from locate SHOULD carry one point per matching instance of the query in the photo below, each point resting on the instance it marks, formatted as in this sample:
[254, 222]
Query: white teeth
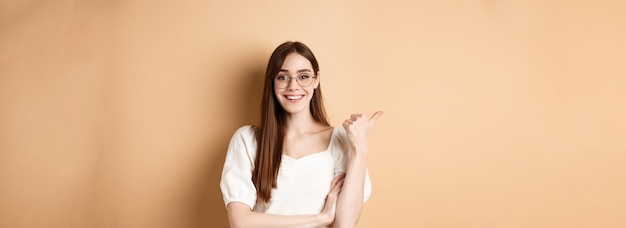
[294, 97]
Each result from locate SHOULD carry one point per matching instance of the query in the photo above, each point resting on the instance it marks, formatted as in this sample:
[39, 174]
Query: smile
[294, 97]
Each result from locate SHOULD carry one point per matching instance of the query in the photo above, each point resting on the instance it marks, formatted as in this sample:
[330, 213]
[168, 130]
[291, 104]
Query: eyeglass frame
[292, 78]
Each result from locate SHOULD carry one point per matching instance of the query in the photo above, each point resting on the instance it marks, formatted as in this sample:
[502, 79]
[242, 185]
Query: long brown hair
[270, 135]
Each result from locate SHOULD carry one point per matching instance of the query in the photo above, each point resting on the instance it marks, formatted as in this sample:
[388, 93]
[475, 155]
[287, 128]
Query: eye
[282, 78]
[304, 76]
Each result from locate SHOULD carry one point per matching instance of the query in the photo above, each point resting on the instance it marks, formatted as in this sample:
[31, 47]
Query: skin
[304, 137]
[350, 200]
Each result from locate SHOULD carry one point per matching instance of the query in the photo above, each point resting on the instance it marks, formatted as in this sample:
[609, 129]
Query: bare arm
[350, 200]
[241, 216]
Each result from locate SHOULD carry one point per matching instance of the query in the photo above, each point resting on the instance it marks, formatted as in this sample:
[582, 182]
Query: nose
[292, 84]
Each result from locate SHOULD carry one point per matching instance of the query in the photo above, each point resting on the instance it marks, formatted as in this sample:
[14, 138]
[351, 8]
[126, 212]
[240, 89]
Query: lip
[294, 98]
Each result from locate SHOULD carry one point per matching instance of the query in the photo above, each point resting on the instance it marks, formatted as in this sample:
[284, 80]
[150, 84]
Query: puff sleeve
[236, 182]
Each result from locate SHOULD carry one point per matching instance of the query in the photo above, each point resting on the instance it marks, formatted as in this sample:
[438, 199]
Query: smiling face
[293, 97]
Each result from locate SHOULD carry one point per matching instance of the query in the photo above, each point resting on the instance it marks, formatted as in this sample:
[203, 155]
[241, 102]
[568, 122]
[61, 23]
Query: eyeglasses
[282, 81]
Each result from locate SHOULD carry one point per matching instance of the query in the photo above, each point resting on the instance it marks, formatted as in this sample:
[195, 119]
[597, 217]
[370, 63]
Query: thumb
[374, 117]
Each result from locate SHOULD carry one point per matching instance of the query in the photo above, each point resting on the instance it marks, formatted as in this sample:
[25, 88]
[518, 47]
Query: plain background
[497, 113]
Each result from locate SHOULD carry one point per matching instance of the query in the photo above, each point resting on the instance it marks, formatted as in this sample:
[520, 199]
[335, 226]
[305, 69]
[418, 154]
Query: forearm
[350, 199]
[240, 216]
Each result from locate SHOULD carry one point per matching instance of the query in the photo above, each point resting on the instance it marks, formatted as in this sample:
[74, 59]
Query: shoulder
[245, 135]
[339, 133]
[243, 142]
[339, 139]
[246, 132]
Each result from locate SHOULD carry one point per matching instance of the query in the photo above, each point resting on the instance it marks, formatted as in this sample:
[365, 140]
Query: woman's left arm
[350, 199]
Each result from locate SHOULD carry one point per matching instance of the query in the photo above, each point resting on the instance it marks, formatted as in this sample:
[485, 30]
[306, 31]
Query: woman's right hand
[328, 213]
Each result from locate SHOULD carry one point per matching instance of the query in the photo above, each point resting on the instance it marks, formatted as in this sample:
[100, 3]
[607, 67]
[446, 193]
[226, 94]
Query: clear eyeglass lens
[283, 81]
[305, 81]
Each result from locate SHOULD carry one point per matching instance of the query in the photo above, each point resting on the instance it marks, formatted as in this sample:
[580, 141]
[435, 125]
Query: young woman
[295, 170]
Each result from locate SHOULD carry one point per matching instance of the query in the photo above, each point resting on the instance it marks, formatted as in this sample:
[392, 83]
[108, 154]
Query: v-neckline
[330, 141]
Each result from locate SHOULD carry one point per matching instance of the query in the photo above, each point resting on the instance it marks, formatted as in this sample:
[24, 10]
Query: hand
[358, 127]
[328, 213]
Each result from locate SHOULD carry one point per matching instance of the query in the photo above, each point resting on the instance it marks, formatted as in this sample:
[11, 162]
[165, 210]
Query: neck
[300, 122]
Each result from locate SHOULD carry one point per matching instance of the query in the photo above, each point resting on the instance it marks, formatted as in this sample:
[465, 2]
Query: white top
[302, 183]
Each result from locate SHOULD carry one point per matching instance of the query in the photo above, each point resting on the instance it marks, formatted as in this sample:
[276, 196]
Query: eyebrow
[299, 71]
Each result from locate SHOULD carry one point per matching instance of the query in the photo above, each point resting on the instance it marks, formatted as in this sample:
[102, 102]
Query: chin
[294, 110]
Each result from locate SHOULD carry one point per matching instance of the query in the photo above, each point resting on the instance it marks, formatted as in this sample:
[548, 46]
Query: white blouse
[302, 183]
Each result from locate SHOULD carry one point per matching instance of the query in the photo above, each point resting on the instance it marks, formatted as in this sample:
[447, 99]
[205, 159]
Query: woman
[295, 170]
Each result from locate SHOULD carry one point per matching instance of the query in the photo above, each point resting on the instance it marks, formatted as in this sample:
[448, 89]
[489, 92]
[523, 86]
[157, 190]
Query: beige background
[497, 113]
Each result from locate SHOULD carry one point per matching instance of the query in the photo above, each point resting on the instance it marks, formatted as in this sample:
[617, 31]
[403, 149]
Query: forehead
[295, 62]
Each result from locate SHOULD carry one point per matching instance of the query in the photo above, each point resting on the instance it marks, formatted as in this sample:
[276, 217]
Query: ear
[317, 80]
